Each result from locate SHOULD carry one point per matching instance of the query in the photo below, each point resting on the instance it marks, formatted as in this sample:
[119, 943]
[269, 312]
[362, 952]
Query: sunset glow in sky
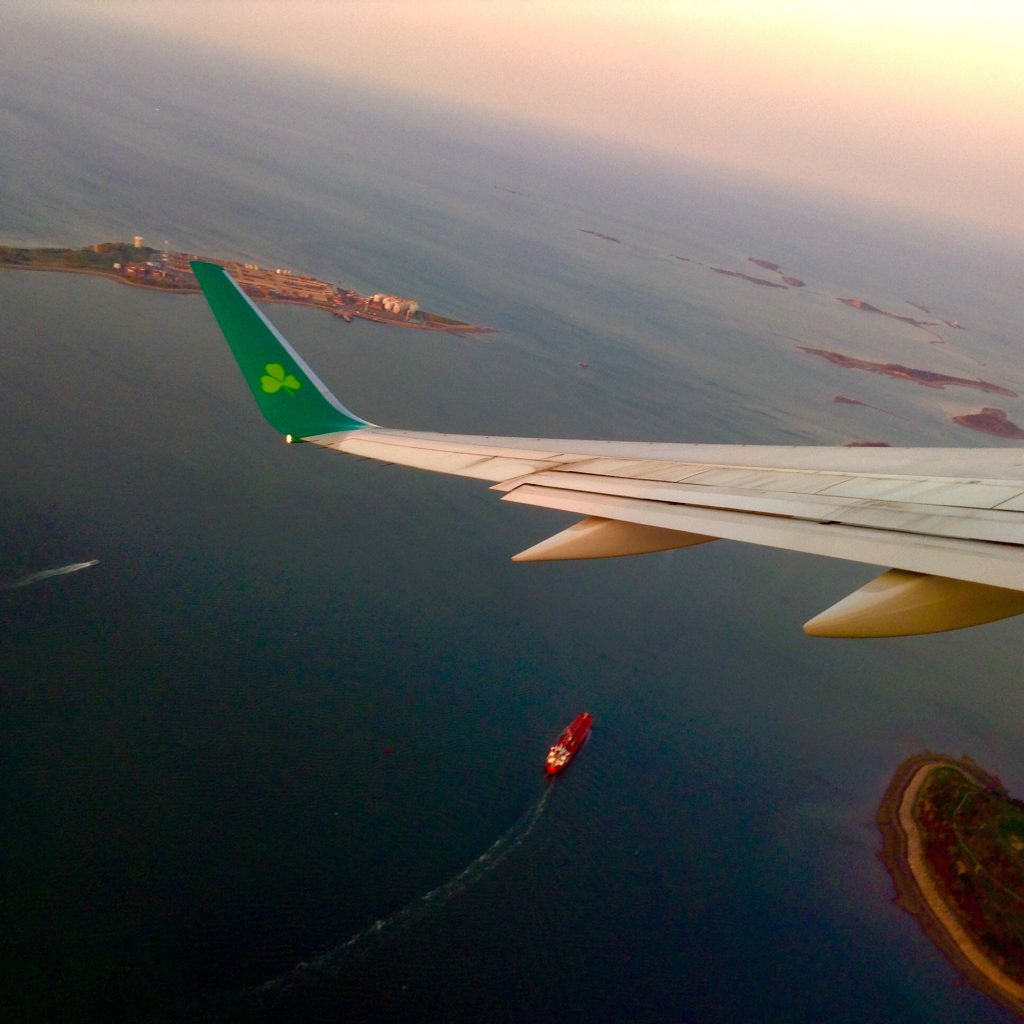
[919, 104]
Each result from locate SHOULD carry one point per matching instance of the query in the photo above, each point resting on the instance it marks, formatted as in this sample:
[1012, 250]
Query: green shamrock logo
[275, 379]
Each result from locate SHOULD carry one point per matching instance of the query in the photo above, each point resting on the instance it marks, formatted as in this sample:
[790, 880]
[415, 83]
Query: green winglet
[290, 395]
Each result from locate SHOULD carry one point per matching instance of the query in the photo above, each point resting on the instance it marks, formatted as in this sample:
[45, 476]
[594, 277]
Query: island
[991, 421]
[866, 307]
[137, 264]
[748, 277]
[793, 282]
[953, 842]
[926, 378]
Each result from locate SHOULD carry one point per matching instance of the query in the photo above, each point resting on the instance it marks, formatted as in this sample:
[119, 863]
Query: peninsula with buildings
[137, 264]
[953, 842]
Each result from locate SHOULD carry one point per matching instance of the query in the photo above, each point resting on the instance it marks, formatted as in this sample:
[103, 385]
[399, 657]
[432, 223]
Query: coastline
[916, 890]
[440, 325]
[120, 278]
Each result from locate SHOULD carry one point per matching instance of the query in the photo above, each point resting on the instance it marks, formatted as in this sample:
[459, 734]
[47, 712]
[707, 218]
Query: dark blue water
[195, 786]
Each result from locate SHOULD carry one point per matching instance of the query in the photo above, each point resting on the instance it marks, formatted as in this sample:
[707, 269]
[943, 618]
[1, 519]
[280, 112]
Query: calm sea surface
[195, 785]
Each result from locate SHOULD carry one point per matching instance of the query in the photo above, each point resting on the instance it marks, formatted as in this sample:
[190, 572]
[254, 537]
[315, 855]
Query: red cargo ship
[568, 744]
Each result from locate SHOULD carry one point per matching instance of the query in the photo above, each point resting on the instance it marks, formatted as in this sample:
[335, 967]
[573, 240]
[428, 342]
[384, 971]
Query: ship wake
[46, 574]
[333, 960]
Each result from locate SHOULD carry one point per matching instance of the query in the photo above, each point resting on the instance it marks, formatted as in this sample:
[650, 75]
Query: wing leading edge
[946, 523]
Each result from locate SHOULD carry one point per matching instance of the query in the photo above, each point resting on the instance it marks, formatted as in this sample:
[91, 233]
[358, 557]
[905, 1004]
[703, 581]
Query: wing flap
[960, 493]
[978, 561]
[967, 523]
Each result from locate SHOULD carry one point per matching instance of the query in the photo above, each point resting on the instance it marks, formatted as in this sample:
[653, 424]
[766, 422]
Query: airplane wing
[947, 524]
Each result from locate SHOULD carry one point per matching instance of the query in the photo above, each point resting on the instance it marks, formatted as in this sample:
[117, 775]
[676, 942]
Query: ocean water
[196, 789]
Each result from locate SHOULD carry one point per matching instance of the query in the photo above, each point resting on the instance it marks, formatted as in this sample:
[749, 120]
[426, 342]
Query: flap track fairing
[900, 603]
[595, 537]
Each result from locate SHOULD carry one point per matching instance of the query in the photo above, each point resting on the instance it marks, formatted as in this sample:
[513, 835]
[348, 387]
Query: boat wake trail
[332, 961]
[45, 574]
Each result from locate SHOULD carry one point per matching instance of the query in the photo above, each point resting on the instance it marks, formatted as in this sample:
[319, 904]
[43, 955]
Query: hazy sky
[916, 103]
